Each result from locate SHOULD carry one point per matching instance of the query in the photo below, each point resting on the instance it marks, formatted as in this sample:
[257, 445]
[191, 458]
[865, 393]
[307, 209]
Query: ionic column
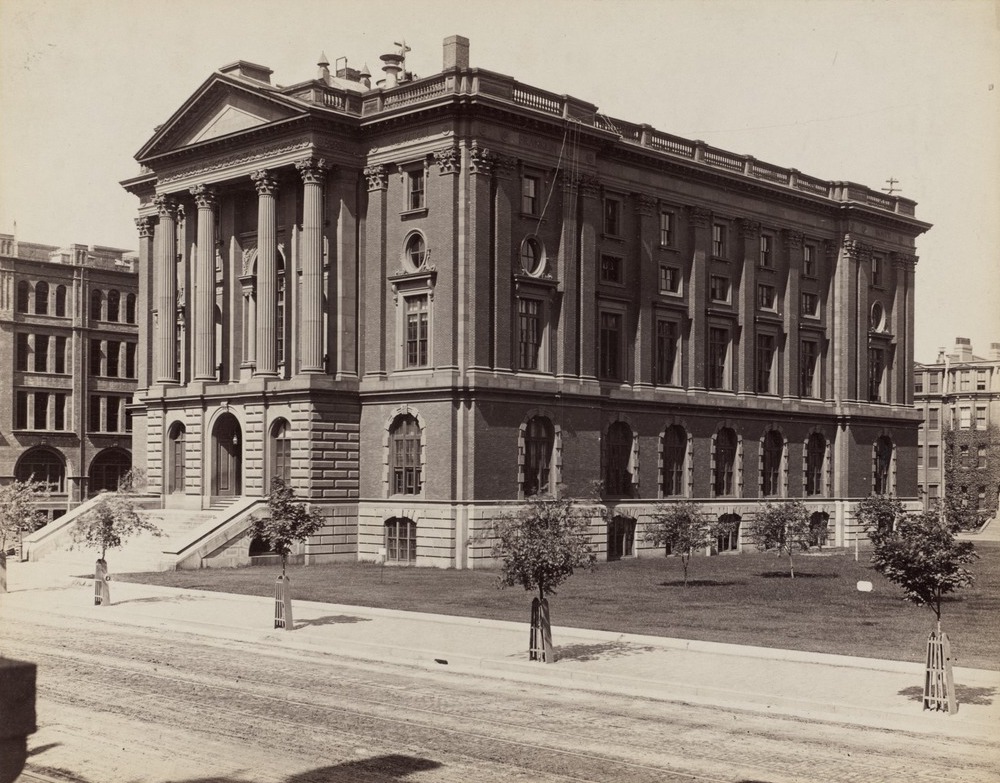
[204, 289]
[313, 173]
[144, 303]
[165, 292]
[267, 273]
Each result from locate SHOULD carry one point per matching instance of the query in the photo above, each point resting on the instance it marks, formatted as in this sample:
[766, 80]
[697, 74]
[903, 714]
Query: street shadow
[43, 748]
[332, 619]
[160, 599]
[603, 651]
[54, 773]
[798, 575]
[700, 583]
[964, 694]
[380, 769]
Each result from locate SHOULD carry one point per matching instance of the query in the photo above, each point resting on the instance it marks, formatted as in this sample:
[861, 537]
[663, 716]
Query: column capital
[377, 176]
[857, 250]
[481, 160]
[204, 196]
[793, 239]
[905, 261]
[590, 186]
[448, 159]
[166, 206]
[312, 170]
[749, 229]
[146, 225]
[645, 205]
[265, 182]
[699, 217]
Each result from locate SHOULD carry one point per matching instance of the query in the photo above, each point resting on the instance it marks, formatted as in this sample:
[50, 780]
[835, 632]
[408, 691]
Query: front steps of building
[190, 539]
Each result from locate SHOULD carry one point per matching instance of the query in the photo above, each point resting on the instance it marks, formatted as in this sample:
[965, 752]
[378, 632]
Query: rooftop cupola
[323, 68]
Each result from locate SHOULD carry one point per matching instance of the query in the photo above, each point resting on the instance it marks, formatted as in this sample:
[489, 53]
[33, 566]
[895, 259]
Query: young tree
[879, 515]
[539, 547]
[925, 559]
[112, 520]
[286, 521]
[682, 527]
[782, 526]
[19, 514]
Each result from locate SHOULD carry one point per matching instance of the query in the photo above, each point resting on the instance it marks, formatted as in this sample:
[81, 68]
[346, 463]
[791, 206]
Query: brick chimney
[995, 352]
[456, 52]
[963, 349]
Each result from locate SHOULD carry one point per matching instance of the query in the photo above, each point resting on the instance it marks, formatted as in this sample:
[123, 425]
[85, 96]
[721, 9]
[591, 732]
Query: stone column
[699, 224]
[313, 173]
[567, 360]
[746, 356]
[204, 289]
[165, 293]
[648, 286]
[267, 273]
[144, 303]
[587, 255]
[474, 326]
[790, 375]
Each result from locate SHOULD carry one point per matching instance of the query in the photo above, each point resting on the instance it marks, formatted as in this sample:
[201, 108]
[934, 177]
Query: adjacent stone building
[958, 396]
[426, 299]
[69, 341]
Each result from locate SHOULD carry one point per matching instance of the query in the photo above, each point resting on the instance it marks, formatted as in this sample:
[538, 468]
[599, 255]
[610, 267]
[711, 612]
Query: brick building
[69, 342]
[959, 398]
[423, 300]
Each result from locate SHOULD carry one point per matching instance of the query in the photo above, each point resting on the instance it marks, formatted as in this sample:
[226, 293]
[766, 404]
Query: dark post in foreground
[102, 590]
[283, 603]
[17, 715]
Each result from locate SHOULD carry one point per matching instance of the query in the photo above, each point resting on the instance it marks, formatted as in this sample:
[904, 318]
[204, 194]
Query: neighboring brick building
[69, 341]
[426, 299]
[959, 398]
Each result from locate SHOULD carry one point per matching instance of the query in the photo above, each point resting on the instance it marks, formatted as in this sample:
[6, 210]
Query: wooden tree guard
[939, 683]
[540, 643]
[102, 590]
[283, 603]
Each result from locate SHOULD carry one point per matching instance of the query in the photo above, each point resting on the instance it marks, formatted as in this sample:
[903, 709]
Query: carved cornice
[481, 160]
[505, 166]
[793, 239]
[166, 206]
[449, 159]
[377, 176]
[645, 205]
[204, 197]
[146, 226]
[590, 186]
[259, 153]
[265, 183]
[312, 170]
[749, 229]
[699, 217]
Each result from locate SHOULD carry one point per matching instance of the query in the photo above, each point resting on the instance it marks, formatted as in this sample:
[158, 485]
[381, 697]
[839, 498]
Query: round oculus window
[877, 318]
[416, 252]
[532, 257]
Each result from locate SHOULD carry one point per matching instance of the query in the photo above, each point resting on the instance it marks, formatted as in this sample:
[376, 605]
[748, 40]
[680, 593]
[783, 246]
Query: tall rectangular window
[529, 341]
[670, 279]
[59, 411]
[765, 297]
[667, 343]
[130, 360]
[415, 194]
[980, 380]
[95, 357]
[933, 383]
[114, 348]
[666, 229]
[94, 414]
[810, 304]
[933, 455]
[876, 373]
[718, 240]
[60, 355]
[718, 358]
[877, 271]
[417, 331]
[765, 364]
[114, 409]
[612, 217]
[612, 269]
[933, 419]
[918, 383]
[22, 352]
[41, 353]
[980, 417]
[808, 362]
[41, 411]
[609, 359]
[964, 380]
[529, 195]
[719, 288]
[809, 261]
[965, 418]
[21, 411]
[766, 252]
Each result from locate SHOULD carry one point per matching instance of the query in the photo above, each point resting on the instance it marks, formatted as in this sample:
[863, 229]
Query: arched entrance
[227, 457]
[107, 470]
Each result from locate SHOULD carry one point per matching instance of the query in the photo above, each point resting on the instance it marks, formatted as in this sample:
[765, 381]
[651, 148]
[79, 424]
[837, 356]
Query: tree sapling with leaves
[19, 514]
[783, 527]
[683, 528]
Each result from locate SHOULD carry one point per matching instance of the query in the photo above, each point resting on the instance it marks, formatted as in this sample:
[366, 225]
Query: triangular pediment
[221, 107]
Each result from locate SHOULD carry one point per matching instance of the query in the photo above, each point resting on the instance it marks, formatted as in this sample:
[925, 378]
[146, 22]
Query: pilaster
[567, 361]
[648, 278]
[144, 305]
[746, 353]
[792, 248]
[700, 228]
[374, 285]
[590, 219]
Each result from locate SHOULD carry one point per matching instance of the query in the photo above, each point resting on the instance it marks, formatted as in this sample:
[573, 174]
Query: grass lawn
[740, 598]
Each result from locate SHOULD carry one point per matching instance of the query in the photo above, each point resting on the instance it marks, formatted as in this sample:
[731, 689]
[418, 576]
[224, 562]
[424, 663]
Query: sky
[857, 90]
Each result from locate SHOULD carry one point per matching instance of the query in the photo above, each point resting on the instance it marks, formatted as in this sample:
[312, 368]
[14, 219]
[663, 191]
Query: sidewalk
[814, 686]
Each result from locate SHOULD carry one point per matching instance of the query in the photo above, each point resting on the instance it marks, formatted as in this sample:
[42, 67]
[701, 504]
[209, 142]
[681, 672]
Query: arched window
[404, 449]
[725, 462]
[42, 298]
[42, 465]
[130, 308]
[400, 540]
[881, 465]
[281, 451]
[114, 306]
[61, 301]
[23, 296]
[176, 476]
[416, 252]
[96, 305]
[770, 464]
[107, 470]
[728, 537]
[619, 465]
[674, 458]
[539, 440]
[815, 463]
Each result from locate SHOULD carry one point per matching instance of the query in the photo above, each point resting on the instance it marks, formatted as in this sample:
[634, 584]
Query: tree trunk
[791, 565]
[3, 572]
